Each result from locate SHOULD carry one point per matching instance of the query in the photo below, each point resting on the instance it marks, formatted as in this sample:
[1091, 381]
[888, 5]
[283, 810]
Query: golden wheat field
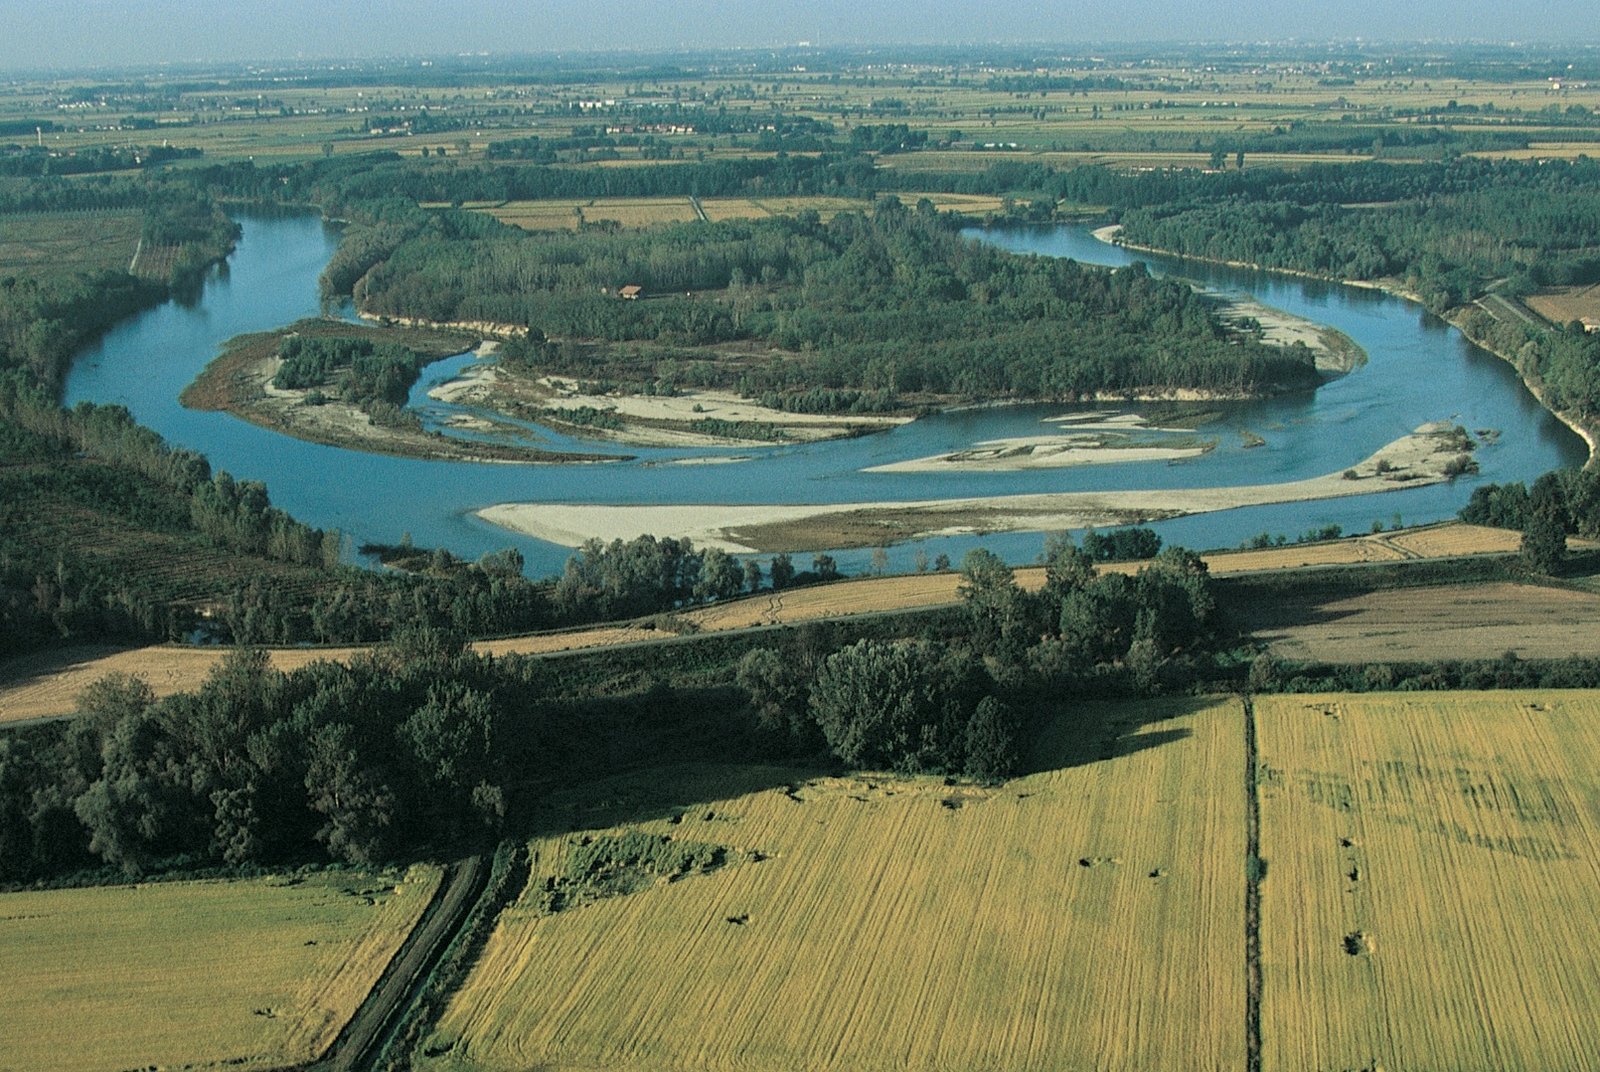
[260, 973]
[1440, 541]
[1089, 916]
[1432, 894]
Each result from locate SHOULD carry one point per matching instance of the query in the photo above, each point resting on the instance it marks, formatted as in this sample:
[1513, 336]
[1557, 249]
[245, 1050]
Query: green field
[59, 243]
[254, 973]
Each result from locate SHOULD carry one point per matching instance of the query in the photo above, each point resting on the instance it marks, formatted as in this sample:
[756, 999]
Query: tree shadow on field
[1076, 733]
[1263, 617]
[657, 754]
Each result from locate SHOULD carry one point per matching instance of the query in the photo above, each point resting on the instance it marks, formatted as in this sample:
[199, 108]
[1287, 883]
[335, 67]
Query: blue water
[1420, 369]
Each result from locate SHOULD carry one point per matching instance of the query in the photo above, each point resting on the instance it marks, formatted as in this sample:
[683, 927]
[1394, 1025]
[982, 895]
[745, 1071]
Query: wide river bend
[1420, 369]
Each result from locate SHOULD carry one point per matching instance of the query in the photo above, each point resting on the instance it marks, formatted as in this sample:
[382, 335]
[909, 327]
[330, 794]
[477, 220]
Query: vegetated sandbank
[1335, 352]
[1589, 435]
[709, 417]
[240, 381]
[1427, 456]
[697, 418]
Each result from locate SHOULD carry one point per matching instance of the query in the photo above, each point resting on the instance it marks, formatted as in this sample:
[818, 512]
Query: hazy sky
[35, 33]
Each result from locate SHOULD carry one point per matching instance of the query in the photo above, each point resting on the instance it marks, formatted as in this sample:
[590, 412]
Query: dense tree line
[1562, 503]
[404, 746]
[30, 161]
[1449, 233]
[421, 743]
[957, 705]
[895, 302]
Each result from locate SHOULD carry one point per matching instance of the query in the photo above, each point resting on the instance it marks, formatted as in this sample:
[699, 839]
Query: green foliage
[901, 705]
[991, 745]
[1121, 545]
[1544, 538]
[862, 309]
[365, 372]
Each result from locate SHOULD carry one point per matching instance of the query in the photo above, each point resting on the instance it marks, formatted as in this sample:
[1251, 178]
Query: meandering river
[1419, 369]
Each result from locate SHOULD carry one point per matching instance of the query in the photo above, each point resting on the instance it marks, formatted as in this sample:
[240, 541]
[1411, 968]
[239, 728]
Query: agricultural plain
[59, 243]
[1430, 900]
[254, 974]
[568, 214]
[1063, 921]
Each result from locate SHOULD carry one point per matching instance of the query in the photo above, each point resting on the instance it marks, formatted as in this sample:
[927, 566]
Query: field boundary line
[1254, 868]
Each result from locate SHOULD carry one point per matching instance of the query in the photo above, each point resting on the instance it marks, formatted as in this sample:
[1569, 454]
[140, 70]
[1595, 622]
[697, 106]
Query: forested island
[859, 317]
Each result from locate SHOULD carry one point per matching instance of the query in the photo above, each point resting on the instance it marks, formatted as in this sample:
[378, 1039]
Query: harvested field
[1059, 922]
[46, 684]
[1432, 900]
[565, 213]
[1481, 621]
[1441, 541]
[1562, 305]
[259, 973]
[1295, 556]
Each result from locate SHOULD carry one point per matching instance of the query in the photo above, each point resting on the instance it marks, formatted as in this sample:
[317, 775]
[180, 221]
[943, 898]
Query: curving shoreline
[1590, 435]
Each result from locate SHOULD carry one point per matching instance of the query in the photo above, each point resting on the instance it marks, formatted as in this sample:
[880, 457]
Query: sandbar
[1414, 460]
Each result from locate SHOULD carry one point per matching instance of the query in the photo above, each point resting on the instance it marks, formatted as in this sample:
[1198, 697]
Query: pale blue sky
[36, 33]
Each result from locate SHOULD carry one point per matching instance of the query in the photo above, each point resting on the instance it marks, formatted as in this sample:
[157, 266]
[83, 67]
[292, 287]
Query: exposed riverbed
[1418, 370]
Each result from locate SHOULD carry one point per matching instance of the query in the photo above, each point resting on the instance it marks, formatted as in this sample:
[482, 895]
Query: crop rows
[1055, 923]
[1430, 901]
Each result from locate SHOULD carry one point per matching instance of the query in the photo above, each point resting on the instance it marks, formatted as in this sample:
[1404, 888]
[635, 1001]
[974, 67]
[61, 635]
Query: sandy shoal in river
[1412, 461]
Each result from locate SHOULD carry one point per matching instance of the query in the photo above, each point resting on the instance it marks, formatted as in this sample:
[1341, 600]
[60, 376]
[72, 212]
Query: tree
[781, 571]
[1544, 539]
[1067, 567]
[720, 575]
[777, 686]
[358, 808]
[895, 704]
[752, 575]
[824, 567]
[991, 744]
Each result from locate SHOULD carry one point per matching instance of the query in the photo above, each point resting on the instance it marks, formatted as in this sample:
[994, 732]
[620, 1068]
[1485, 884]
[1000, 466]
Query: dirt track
[47, 684]
[364, 1034]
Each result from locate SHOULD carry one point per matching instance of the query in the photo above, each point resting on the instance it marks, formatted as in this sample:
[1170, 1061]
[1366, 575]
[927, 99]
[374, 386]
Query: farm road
[363, 1037]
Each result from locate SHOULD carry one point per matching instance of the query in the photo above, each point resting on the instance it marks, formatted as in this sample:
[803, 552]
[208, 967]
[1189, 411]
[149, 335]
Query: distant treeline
[1449, 233]
[31, 161]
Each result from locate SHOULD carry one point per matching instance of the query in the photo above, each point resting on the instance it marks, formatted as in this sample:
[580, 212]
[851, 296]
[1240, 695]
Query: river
[1420, 369]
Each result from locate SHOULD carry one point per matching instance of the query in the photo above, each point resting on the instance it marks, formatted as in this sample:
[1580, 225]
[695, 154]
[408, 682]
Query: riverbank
[240, 382]
[1427, 456]
[1334, 352]
[1590, 434]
